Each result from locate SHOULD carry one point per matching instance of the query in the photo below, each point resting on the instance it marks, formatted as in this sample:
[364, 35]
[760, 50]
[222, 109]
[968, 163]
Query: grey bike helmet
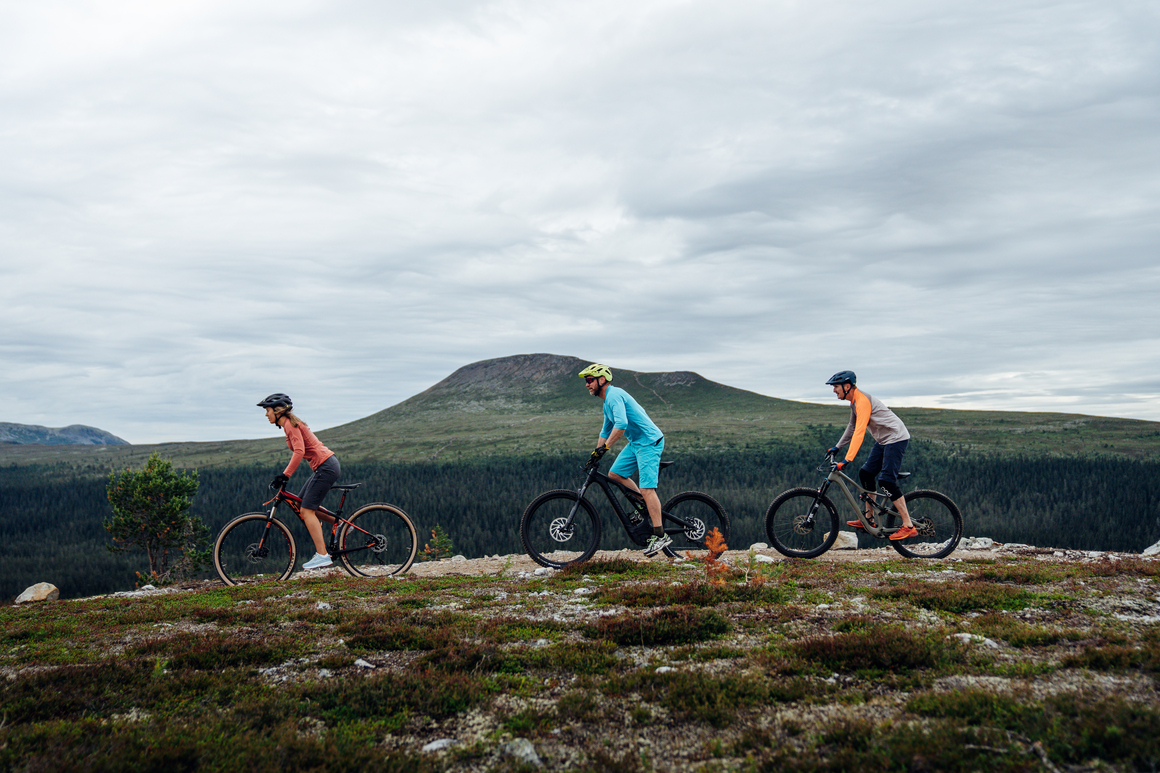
[277, 400]
[843, 377]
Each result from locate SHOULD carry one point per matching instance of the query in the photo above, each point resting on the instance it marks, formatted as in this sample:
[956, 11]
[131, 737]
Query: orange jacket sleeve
[861, 407]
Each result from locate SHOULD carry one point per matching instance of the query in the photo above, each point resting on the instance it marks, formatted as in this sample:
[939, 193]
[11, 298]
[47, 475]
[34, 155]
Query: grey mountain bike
[803, 522]
[560, 528]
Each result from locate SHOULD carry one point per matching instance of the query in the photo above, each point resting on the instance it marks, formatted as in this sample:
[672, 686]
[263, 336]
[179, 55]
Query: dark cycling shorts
[319, 483]
[886, 460]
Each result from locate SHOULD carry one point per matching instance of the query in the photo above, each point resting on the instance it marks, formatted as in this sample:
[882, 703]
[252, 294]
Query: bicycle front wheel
[378, 541]
[801, 523]
[938, 521]
[699, 514]
[560, 528]
[254, 547]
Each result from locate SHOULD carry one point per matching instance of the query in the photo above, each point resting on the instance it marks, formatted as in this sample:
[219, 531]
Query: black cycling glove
[279, 481]
[595, 457]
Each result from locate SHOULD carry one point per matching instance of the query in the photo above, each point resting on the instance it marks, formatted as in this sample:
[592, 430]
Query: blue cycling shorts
[637, 457]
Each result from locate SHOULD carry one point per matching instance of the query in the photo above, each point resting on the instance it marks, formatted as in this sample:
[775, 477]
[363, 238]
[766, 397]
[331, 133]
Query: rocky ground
[1023, 632]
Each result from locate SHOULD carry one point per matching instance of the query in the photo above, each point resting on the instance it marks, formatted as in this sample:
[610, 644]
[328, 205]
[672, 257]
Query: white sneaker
[319, 561]
[657, 544]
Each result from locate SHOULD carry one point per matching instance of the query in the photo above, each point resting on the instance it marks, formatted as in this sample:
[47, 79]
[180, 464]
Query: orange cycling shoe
[858, 524]
[906, 532]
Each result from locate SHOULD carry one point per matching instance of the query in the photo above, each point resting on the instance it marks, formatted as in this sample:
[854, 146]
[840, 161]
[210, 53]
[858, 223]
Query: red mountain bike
[376, 541]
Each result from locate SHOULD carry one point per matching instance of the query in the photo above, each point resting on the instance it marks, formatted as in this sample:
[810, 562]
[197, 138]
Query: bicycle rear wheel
[939, 524]
[547, 538]
[702, 513]
[254, 547]
[381, 541]
[801, 523]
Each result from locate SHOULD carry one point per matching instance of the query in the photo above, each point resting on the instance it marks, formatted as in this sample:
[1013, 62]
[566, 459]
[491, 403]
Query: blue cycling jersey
[621, 411]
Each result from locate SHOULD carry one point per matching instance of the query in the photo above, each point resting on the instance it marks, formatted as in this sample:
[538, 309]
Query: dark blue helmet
[843, 377]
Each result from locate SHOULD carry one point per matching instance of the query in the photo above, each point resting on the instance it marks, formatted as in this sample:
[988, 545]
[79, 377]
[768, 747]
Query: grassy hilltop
[994, 661]
[533, 404]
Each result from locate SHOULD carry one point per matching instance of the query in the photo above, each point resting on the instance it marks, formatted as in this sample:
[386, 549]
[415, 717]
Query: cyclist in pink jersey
[324, 464]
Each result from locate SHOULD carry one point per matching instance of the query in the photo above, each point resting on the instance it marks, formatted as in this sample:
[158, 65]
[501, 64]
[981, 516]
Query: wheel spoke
[251, 547]
[559, 528]
[699, 515]
[379, 541]
[801, 523]
[938, 522]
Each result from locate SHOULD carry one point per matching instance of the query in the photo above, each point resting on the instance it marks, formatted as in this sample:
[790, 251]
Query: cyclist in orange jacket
[890, 441]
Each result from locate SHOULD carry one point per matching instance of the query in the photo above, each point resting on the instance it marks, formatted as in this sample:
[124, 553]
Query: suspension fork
[579, 495]
[813, 511]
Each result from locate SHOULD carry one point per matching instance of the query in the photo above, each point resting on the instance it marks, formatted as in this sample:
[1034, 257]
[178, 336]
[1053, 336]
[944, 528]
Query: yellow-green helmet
[596, 370]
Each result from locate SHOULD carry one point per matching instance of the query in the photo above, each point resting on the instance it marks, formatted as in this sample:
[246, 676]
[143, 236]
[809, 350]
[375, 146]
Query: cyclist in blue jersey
[623, 417]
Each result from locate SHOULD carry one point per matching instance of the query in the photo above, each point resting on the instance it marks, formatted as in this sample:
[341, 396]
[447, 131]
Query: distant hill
[72, 435]
[533, 405]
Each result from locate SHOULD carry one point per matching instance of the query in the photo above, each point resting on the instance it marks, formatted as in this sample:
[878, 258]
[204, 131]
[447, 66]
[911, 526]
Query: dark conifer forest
[51, 515]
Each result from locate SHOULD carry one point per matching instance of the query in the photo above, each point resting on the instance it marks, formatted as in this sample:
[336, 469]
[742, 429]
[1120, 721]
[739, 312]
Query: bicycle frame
[606, 483]
[865, 496]
[331, 517]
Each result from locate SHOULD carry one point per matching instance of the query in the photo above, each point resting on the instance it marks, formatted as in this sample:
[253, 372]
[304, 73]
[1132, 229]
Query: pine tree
[150, 512]
[439, 547]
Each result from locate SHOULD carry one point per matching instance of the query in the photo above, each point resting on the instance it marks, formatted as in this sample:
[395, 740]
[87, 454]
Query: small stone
[582, 591]
[440, 745]
[1154, 550]
[458, 559]
[759, 546]
[847, 540]
[42, 591]
[761, 559]
[323, 605]
[970, 638]
[363, 664]
[542, 571]
[522, 750]
[666, 670]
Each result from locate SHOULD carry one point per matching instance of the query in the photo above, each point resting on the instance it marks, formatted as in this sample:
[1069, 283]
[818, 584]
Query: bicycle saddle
[666, 464]
[349, 486]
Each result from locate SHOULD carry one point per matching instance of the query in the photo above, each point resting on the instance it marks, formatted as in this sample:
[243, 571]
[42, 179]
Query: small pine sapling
[439, 547]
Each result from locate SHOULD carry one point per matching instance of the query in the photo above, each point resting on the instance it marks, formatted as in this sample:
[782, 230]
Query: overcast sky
[205, 202]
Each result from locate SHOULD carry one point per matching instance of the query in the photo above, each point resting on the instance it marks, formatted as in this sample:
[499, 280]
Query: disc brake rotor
[803, 524]
[559, 532]
[696, 530]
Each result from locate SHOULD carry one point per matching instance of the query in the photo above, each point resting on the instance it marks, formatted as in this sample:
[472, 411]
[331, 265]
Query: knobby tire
[545, 541]
[704, 513]
[939, 524]
[237, 557]
[382, 538]
[792, 533]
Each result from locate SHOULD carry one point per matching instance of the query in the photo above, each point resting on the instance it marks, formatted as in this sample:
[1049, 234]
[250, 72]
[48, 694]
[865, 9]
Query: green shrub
[958, 597]
[881, 648]
[676, 625]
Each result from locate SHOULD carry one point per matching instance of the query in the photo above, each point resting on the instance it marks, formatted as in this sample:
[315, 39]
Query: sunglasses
[590, 379]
